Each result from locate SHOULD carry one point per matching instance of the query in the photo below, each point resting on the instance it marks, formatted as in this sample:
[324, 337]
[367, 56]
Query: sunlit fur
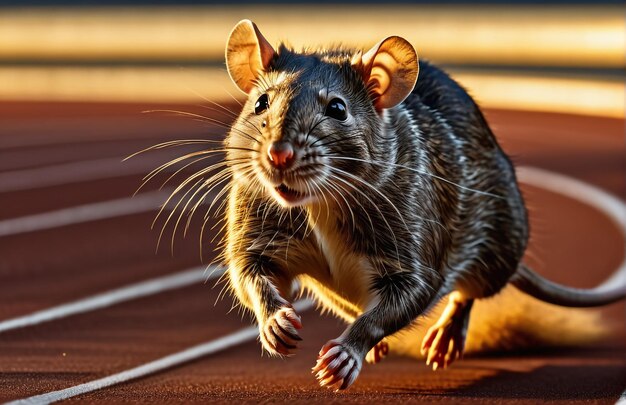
[402, 206]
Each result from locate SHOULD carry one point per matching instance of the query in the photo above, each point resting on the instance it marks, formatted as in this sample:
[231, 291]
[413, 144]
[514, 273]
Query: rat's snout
[281, 154]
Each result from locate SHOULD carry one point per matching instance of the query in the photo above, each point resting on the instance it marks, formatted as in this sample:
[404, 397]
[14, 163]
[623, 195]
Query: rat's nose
[281, 154]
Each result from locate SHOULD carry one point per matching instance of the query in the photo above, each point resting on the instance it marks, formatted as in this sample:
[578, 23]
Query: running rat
[377, 193]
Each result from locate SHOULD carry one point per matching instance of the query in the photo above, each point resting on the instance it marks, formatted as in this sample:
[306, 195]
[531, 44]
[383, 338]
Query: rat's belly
[349, 273]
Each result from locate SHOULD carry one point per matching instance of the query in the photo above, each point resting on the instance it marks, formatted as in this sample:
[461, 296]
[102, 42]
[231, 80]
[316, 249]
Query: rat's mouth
[288, 194]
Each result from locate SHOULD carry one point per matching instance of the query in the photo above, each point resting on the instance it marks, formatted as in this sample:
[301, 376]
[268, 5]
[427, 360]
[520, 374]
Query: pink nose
[281, 154]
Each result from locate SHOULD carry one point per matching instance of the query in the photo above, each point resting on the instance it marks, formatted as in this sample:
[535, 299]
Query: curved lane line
[144, 202]
[108, 298]
[590, 195]
[575, 189]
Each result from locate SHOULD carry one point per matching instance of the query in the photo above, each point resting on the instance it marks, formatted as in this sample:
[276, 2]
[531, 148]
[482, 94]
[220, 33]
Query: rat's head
[313, 118]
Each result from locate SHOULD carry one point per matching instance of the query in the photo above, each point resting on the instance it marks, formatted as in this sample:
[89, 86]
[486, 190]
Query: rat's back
[487, 218]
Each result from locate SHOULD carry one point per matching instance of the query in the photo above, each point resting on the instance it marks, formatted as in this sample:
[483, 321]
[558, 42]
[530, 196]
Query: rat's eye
[262, 104]
[336, 109]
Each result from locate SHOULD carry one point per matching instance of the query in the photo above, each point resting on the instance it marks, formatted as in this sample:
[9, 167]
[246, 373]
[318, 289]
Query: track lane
[86, 170]
[115, 296]
[113, 339]
[27, 125]
[461, 379]
[46, 199]
[83, 259]
[140, 203]
[31, 191]
[240, 377]
[51, 155]
[586, 148]
[173, 360]
[474, 380]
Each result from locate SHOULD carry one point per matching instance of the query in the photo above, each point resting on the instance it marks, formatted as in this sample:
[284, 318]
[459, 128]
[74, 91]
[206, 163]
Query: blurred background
[83, 84]
[538, 55]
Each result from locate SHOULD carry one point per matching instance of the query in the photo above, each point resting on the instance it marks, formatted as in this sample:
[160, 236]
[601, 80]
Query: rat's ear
[389, 71]
[247, 54]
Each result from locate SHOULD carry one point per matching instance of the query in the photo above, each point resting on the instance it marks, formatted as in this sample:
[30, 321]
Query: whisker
[312, 226]
[184, 208]
[369, 217]
[221, 193]
[181, 169]
[326, 187]
[171, 213]
[310, 131]
[232, 162]
[146, 179]
[393, 234]
[193, 196]
[302, 222]
[318, 140]
[184, 183]
[232, 114]
[234, 98]
[367, 184]
[336, 140]
[178, 142]
[225, 175]
[221, 163]
[382, 216]
[384, 164]
[337, 190]
[207, 119]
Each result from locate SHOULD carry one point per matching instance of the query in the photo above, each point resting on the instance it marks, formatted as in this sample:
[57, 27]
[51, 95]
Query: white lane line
[115, 296]
[144, 202]
[66, 173]
[193, 353]
[593, 196]
[84, 170]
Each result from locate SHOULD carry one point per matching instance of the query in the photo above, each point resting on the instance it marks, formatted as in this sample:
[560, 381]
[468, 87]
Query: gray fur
[421, 195]
[425, 235]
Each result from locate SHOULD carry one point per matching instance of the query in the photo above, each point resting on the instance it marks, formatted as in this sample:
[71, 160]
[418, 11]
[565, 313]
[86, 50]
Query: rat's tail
[614, 289]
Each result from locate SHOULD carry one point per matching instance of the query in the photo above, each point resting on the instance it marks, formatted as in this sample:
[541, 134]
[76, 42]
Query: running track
[69, 231]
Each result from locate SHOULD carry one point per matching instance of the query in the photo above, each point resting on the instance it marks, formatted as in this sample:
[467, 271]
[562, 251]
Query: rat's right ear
[247, 54]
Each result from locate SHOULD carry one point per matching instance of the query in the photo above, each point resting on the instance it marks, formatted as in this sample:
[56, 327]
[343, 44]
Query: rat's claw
[337, 366]
[323, 374]
[438, 349]
[445, 341]
[279, 334]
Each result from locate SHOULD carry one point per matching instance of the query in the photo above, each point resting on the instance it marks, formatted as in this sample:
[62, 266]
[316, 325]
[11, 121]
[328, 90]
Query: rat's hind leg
[378, 352]
[445, 340]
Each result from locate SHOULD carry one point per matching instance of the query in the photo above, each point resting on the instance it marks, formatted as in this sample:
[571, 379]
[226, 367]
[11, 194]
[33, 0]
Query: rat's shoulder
[439, 91]
[438, 96]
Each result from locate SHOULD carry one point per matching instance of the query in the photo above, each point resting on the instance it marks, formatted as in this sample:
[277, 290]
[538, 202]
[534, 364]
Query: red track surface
[571, 243]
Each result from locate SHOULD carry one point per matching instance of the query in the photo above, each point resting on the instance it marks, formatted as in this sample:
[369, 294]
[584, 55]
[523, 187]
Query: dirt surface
[571, 243]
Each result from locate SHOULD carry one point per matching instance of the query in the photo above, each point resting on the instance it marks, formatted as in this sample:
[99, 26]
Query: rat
[377, 193]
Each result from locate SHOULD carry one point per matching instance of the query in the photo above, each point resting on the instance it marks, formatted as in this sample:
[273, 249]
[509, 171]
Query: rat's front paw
[279, 333]
[338, 365]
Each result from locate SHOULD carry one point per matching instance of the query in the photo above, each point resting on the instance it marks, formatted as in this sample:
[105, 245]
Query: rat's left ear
[389, 71]
[248, 54]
